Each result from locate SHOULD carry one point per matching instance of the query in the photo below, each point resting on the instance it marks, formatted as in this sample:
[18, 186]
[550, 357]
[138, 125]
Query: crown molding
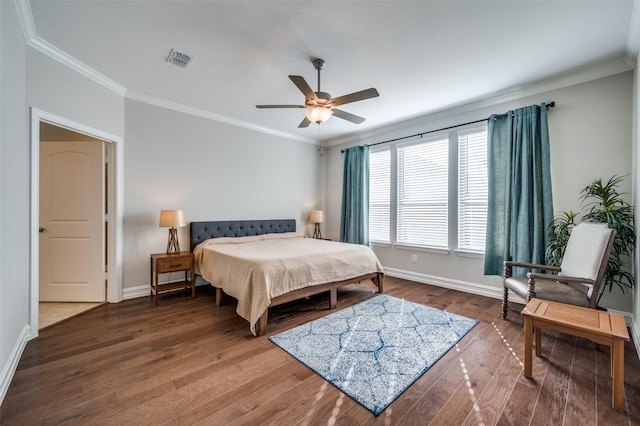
[163, 103]
[23, 8]
[32, 39]
[512, 94]
[592, 73]
[633, 38]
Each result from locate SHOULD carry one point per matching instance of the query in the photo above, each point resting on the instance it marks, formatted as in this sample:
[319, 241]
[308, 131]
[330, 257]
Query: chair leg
[505, 299]
[532, 289]
[505, 303]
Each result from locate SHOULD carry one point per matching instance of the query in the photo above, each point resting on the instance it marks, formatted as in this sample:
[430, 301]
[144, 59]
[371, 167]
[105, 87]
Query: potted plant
[604, 204]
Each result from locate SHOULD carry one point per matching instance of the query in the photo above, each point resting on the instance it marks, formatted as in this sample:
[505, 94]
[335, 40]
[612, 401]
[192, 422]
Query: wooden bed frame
[204, 230]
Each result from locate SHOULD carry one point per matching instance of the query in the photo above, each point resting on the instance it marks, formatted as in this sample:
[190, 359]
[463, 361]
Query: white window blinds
[423, 193]
[472, 189]
[379, 195]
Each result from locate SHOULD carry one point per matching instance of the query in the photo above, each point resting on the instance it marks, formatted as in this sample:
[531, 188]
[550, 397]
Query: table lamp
[172, 219]
[317, 217]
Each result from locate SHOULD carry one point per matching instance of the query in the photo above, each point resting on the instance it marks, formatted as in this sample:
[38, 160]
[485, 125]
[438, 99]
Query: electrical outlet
[414, 259]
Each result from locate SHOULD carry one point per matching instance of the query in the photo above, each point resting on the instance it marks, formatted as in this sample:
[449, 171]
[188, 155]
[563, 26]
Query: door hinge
[106, 217]
[106, 159]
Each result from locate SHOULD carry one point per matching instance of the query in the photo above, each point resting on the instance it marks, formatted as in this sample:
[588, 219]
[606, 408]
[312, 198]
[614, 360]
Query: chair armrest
[535, 276]
[532, 265]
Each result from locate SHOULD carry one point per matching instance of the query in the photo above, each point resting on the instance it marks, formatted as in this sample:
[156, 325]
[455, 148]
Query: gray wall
[14, 192]
[212, 171]
[32, 79]
[590, 132]
[56, 89]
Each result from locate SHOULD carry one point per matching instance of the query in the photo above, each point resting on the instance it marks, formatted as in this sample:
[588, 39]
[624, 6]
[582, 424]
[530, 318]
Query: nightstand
[162, 263]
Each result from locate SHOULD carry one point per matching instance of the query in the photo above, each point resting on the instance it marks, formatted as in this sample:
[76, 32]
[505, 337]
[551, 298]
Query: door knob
[41, 229]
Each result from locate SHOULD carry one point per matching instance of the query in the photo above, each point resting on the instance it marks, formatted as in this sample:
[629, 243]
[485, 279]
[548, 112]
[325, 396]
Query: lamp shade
[318, 114]
[172, 219]
[316, 216]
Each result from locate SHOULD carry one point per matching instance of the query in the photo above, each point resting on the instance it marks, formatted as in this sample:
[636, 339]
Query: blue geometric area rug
[376, 349]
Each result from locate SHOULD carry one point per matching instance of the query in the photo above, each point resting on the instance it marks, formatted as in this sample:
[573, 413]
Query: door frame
[114, 209]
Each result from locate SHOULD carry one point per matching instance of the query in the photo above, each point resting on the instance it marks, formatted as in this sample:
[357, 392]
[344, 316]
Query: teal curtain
[354, 225]
[520, 205]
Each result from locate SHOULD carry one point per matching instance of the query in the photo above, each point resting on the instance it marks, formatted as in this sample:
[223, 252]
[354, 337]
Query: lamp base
[173, 246]
[316, 231]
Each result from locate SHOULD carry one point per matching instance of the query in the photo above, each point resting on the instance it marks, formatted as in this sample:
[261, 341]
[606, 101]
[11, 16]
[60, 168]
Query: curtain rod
[549, 105]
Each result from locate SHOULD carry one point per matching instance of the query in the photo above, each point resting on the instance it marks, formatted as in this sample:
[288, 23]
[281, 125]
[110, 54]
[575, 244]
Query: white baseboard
[9, 368]
[143, 290]
[635, 337]
[135, 292]
[489, 291]
[465, 286]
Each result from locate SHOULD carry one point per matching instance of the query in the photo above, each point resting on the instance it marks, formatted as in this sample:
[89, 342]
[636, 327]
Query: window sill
[470, 253]
[380, 243]
[426, 249]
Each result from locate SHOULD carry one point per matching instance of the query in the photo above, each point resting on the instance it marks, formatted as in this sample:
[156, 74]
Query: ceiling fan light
[318, 114]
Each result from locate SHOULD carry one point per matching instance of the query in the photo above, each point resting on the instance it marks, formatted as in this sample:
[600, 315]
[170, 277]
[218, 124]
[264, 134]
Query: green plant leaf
[605, 204]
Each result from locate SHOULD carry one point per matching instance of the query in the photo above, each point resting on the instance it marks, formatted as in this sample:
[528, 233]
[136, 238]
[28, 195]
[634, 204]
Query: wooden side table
[162, 263]
[600, 327]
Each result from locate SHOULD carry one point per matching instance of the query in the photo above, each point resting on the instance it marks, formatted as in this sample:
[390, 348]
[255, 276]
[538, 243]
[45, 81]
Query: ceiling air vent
[180, 59]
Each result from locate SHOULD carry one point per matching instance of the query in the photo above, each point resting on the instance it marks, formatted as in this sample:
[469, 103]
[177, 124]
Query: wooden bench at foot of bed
[332, 288]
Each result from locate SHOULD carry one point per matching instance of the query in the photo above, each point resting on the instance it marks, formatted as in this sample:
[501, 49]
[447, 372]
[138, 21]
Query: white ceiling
[422, 56]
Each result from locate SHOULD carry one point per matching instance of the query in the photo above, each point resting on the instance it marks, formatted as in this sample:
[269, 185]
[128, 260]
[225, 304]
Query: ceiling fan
[320, 106]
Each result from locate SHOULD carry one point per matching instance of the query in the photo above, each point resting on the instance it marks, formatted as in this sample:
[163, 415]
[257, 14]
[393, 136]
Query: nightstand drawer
[167, 265]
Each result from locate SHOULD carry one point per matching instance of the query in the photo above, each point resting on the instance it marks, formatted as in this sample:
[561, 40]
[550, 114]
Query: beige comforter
[258, 268]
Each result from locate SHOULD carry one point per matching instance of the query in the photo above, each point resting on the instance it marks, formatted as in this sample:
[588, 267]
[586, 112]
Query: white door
[72, 229]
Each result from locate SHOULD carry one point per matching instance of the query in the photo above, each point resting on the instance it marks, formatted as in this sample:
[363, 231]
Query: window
[423, 193]
[409, 202]
[379, 195]
[472, 189]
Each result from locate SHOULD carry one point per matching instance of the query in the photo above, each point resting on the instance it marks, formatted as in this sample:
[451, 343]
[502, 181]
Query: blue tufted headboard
[201, 231]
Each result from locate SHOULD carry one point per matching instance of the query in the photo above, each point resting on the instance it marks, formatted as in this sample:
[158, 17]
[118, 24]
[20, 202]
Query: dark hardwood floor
[187, 362]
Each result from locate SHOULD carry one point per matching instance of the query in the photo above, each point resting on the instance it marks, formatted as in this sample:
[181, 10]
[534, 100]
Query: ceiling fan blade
[304, 123]
[347, 116]
[280, 106]
[301, 84]
[354, 97]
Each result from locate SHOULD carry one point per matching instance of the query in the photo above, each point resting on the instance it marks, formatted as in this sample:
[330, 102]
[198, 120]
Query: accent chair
[577, 280]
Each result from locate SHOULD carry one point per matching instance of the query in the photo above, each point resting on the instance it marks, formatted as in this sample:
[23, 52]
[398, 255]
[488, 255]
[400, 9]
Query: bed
[264, 263]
